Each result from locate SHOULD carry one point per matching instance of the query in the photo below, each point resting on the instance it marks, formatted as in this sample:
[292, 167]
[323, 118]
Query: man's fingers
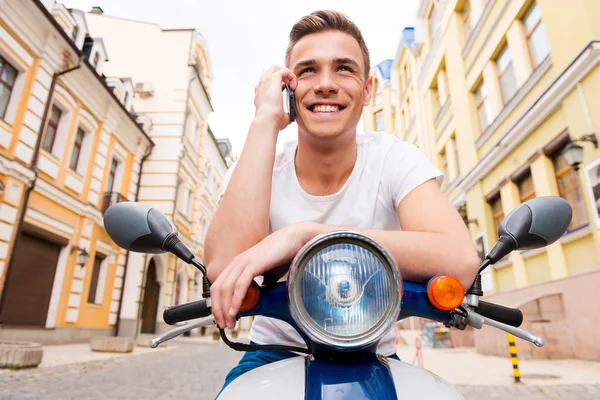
[288, 77]
[241, 288]
[216, 290]
[228, 290]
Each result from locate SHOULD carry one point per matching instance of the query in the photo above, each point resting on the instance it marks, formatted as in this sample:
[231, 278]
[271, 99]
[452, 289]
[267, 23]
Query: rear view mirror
[536, 223]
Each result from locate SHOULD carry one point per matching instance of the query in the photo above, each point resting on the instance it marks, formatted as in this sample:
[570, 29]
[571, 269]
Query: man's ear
[368, 91]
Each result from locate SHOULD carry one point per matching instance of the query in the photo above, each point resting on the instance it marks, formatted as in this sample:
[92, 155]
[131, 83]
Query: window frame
[95, 279]
[51, 124]
[3, 64]
[576, 222]
[508, 68]
[379, 113]
[524, 196]
[482, 103]
[530, 33]
[497, 214]
[79, 147]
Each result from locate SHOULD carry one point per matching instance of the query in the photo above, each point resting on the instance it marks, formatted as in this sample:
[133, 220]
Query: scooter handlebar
[506, 315]
[186, 312]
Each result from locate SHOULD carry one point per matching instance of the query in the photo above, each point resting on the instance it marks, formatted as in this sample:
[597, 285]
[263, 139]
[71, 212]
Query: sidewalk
[464, 366]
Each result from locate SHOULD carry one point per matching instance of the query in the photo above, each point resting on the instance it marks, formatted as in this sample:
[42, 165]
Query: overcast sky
[246, 37]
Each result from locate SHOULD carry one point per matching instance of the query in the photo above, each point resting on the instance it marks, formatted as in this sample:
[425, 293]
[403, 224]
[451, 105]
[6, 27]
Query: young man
[329, 179]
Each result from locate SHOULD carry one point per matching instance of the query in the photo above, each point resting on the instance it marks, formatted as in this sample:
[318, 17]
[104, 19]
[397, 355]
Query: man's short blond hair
[323, 21]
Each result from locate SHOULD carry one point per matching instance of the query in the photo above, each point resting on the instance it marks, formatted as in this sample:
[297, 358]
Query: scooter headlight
[344, 290]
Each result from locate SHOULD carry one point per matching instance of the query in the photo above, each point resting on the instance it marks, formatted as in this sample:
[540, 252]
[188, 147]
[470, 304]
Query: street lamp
[573, 153]
[83, 256]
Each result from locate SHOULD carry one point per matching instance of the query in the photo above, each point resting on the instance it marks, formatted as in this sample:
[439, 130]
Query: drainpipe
[137, 192]
[34, 159]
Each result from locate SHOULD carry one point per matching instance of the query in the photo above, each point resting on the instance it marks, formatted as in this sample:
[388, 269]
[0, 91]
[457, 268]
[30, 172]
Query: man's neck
[323, 168]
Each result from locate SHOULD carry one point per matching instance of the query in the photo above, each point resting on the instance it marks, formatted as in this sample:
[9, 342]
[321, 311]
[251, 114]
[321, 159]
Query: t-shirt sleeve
[406, 168]
[226, 180]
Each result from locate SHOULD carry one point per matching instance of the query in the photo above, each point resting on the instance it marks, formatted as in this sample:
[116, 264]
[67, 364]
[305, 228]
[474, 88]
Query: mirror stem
[476, 289]
[205, 281]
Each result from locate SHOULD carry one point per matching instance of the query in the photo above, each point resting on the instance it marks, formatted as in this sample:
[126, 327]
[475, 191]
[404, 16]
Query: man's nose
[326, 84]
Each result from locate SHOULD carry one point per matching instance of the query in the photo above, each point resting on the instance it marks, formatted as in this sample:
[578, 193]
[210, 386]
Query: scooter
[343, 294]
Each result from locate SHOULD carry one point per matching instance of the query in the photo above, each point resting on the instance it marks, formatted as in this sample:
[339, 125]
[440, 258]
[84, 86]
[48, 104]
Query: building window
[444, 167]
[378, 93]
[456, 163]
[468, 19]
[434, 19]
[569, 188]
[506, 74]
[497, 211]
[379, 121]
[526, 189]
[96, 60]
[8, 76]
[77, 149]
[483, 106]
[126, 98]
[407, 75]
[536, 35]
[436, 103]
[75, 32]
[190, 204]
[114, 164]
[52, 129]
[93, 293]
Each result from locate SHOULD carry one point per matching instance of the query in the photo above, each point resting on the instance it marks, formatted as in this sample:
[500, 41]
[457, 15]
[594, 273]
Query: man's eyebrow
[304, 63]
[347, 60]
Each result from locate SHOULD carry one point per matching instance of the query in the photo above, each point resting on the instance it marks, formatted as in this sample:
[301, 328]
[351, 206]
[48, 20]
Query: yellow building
[68, 149]
[501, 88]
[380, 115]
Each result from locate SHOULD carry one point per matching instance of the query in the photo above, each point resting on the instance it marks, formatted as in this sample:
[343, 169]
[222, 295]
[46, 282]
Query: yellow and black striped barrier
[514, 358]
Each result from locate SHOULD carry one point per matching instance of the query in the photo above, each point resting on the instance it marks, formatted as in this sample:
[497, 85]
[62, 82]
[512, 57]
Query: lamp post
[83, 256]
[573, 153]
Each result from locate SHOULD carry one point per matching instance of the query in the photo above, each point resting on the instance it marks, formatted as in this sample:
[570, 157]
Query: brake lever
[173, 333]
[477, 321]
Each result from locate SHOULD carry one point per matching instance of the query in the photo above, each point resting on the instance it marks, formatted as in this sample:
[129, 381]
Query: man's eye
[306, 70]
[344, 68]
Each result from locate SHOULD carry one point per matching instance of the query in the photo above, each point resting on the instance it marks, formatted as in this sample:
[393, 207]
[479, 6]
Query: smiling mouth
[321, 108]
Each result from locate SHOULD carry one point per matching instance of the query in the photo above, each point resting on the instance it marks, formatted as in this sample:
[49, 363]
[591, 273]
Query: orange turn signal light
[445, 292]
[251, 298]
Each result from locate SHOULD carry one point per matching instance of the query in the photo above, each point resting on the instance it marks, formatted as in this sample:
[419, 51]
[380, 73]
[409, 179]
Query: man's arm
[242, 217]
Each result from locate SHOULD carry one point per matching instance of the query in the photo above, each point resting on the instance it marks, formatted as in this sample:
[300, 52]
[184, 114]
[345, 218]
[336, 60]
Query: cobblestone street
[196, 371]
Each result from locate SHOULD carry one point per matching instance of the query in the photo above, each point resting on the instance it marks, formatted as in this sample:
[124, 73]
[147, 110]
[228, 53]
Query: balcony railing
[111, 198]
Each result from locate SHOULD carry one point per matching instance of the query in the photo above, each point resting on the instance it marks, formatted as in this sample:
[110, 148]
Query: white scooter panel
[286, 380]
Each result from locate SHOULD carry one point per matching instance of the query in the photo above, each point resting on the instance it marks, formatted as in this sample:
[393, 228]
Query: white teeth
[325, 108]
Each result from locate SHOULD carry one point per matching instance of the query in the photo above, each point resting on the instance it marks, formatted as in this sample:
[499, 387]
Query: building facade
[182, 175]
[502, 88]
[69, 148]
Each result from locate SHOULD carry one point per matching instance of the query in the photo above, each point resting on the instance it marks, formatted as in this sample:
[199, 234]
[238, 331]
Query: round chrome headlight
[344, 290]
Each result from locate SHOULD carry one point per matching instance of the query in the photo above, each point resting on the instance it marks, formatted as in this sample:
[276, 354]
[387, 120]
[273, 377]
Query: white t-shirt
[385, 171]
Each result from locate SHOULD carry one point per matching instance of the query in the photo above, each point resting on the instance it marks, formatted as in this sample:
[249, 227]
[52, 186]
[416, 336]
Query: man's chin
[326, 132]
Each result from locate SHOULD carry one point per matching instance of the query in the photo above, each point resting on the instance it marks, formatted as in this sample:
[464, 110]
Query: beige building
[69, 148]
[497, 92]
[78, 108]
[182, 176]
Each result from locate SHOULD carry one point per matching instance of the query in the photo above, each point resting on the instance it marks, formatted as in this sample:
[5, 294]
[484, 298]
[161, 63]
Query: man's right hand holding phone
[268, 99]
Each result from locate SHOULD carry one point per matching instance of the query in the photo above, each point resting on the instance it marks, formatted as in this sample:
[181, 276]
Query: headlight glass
[344, 290]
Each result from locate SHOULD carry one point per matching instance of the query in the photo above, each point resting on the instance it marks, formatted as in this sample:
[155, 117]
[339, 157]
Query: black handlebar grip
[185, 312]
[507, 315]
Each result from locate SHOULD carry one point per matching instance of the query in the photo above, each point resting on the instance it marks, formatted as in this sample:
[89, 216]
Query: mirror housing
[140, 228]
[536, 223]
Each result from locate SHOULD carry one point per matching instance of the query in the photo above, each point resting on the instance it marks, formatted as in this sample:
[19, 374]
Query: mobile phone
[291, 101]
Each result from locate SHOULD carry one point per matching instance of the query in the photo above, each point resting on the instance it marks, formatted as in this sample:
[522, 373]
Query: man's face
[331, 91]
